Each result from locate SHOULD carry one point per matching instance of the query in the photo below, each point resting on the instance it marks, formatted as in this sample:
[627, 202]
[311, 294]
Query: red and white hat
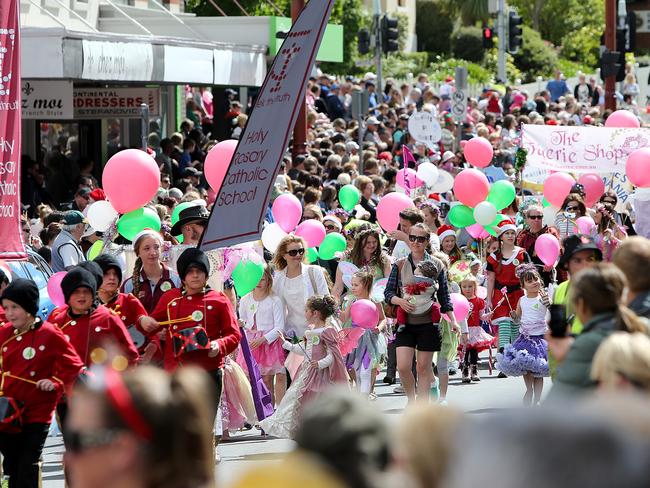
[505, 225]
[446, 231]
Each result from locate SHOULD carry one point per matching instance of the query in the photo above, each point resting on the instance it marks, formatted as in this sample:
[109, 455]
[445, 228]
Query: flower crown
[524, 268]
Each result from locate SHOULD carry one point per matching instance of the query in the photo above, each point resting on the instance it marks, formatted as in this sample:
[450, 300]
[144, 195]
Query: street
[248, 448]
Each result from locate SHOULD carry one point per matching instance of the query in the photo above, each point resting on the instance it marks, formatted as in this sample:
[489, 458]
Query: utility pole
[610, 44]
[378, 47]
[300, 129]
[144, 126]
[503, 39]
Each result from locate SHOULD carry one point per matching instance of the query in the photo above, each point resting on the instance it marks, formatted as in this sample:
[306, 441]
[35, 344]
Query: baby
[420, 292]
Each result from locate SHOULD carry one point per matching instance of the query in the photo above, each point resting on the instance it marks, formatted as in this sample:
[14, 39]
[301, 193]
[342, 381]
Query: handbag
[390, 310]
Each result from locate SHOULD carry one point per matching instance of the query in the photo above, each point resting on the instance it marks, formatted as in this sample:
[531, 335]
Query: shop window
[59, 138]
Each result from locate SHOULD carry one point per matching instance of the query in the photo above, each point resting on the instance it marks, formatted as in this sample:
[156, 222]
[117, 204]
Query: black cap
[576, 243]
[78, 277]
[191, 172]
[192, 258]
[94, 269]
[23, 292]
[195, 213]
[106, 262]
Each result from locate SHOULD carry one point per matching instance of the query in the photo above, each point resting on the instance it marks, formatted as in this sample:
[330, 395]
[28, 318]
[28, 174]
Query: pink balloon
[594, 187]
[411, 177]
[547, 248]
[637, 167]
[389, 207]
[217, 162]
[364, 314]
[557, 187]
[477, 231]
[311, 231]
[130, 179]
[54, 288]
[479, 152]
[585, 225]
[471, 187]
[212, 196]
[287, 211]
[623, 118]
[461, 306]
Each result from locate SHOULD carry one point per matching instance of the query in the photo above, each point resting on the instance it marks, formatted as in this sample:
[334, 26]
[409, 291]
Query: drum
[11, 411]
[190, 339]
[137, 337]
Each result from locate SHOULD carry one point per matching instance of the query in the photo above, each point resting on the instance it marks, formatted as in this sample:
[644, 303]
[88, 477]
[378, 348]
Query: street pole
[378, 50]
[610, 44]
[300, 129]
[501, 48]
[144, 126]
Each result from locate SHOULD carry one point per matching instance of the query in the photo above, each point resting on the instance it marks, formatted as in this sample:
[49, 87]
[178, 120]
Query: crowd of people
[271, 355]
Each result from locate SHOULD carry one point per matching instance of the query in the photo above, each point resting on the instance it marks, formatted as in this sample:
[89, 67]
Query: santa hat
[506, 225]
[97, 194]
[446, 231]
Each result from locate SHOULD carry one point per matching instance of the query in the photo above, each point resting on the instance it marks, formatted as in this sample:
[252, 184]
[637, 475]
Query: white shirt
[266, 316]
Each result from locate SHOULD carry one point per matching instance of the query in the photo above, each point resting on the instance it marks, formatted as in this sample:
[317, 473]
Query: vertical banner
[240, 207]
[11, 242]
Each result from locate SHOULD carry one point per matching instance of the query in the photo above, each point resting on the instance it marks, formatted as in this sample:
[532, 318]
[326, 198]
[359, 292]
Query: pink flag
[504, 290]
[407, 157]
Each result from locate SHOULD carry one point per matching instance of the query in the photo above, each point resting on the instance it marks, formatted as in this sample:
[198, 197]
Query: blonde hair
[366, 280]
[469, 279]
[268, 274]
[623, 355]
[279, 262]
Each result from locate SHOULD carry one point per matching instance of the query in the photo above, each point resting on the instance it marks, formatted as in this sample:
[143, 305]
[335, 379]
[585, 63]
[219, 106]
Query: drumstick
[175, 321]
[19, 378]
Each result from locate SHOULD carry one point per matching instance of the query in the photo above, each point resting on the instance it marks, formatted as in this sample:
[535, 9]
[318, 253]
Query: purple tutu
[528, 354]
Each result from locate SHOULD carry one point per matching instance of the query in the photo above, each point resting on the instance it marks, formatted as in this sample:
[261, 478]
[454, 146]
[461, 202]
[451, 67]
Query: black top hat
[195, 213]
[576, 243]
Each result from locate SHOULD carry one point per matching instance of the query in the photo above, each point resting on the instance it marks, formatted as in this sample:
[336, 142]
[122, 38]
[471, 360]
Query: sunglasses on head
[296, 252]
[420, 239]
[536, 217]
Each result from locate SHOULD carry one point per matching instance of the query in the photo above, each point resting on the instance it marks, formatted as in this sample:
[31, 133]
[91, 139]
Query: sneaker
[502, 375]
[389, 380]
[443, 402]
[475, 376]
[399, 389]
[466, 378]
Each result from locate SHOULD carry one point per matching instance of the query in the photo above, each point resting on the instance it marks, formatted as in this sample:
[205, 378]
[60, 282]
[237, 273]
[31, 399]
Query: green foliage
[441, 68]
[535, 57]
[570, 69]
[402, 28]
[582, 46]
[433, 27]
[400, 65]
[512, 72]
[468, 44]
[469, 11]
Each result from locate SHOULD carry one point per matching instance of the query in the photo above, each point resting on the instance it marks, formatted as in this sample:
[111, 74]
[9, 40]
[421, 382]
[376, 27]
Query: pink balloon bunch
[547, 248]
[637, 167]
[594, 187]
[54, 289]
[479, 152]
[364, 314]
[130, 179]
[287, 211]
[389, 207]
[557, 187]
[217, 162]
[471, 187]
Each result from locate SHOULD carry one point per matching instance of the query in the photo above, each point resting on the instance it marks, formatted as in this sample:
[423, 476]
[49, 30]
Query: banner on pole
[578, 149]
[240, 207]
[11, 242]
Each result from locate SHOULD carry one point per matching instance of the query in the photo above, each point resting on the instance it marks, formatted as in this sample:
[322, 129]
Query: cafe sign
[46, 100]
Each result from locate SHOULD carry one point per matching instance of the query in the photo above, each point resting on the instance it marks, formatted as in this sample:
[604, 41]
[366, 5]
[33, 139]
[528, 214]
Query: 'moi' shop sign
[240, 207]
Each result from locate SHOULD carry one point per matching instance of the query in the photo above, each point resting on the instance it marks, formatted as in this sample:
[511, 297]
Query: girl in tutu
[366, 358]
[237, 407]
[478, 339]
[322, 367]
[528, 355]
[262, 314]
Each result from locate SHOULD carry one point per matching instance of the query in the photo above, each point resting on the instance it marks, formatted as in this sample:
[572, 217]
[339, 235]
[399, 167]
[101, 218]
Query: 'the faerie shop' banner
[581, 149]
[11, 243]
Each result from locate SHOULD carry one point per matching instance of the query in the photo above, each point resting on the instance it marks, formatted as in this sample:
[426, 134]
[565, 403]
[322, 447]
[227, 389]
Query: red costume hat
[445, 231]
[506, 225]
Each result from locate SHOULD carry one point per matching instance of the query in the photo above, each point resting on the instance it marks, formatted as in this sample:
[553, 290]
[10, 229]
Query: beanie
[78, 277]
[23, 292]
[108, 261]
[95, 270]
[192, 257]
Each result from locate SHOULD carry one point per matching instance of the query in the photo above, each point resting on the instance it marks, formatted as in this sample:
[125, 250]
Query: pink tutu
[237, 404]
[269, 357]
[479, 339]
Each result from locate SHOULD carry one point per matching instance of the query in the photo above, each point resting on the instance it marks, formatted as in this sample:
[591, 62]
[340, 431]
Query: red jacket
[218, 319]
[130, 310]
[88, 332]
[37, 354]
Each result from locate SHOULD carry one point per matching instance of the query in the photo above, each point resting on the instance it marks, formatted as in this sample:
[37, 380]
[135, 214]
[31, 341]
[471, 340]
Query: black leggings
[471, 357]
[22, 453]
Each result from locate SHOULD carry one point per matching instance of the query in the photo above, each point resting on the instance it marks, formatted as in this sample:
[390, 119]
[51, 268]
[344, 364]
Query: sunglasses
[611, 202]
[77, 442]
[419, 239]
[572, 207]
[295, 252]
[536, 217]
[330, 227]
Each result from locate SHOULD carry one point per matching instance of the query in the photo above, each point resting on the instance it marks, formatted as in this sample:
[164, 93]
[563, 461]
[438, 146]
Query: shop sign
[127, 61]
[46, 100]
[98, 103]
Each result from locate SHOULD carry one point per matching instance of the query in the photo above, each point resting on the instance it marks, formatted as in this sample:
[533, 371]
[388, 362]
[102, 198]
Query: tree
[433, 27]
[470, 11]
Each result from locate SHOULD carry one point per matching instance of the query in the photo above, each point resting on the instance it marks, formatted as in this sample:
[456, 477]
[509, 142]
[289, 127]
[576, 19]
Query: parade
[324, 279]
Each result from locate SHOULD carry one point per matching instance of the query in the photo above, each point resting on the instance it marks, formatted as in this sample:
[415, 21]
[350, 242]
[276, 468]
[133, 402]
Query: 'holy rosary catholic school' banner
[240, 207]
[11, 243]
[579, 149]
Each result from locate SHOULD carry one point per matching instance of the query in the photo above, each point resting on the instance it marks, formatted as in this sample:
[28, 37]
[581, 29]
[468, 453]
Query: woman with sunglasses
[142, 429]
[295, 281]
[534, 227]
[420, 333]
[572, 209]
[621, 218]
[37, 364]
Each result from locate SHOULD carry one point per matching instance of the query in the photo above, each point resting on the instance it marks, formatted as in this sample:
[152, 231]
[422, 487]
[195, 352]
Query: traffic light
[610, 64]
[389, 35]
[514, 32]
[364, 41]
[488, 37]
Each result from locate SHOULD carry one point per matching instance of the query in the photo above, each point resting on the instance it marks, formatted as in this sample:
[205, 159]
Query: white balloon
[444, 183]
[101, 215]
[272, 235]
[485, 213]
[550, 213]
[428, 172]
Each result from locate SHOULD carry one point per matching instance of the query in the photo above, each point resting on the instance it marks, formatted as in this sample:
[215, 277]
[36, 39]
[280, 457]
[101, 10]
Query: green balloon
[246, 276]
[545, 203]
[492, 231]
[501, 194]
[332, 244]
[461, 216]
[178, 209]
[130, 224]
[349, 196]
[94, 250]
[312, 254]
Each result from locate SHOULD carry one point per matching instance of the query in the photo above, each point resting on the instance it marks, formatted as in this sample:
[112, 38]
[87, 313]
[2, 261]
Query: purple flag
[261, 396]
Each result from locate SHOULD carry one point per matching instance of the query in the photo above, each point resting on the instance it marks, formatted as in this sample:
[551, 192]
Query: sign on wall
[129, 61]
[97, 103]
[46, 99]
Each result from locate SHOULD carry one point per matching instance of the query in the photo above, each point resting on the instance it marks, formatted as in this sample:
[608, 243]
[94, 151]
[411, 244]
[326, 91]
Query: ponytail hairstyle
[601, 290]
[137, 267]
[325, 305]
[268, 274]
[366, 280]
